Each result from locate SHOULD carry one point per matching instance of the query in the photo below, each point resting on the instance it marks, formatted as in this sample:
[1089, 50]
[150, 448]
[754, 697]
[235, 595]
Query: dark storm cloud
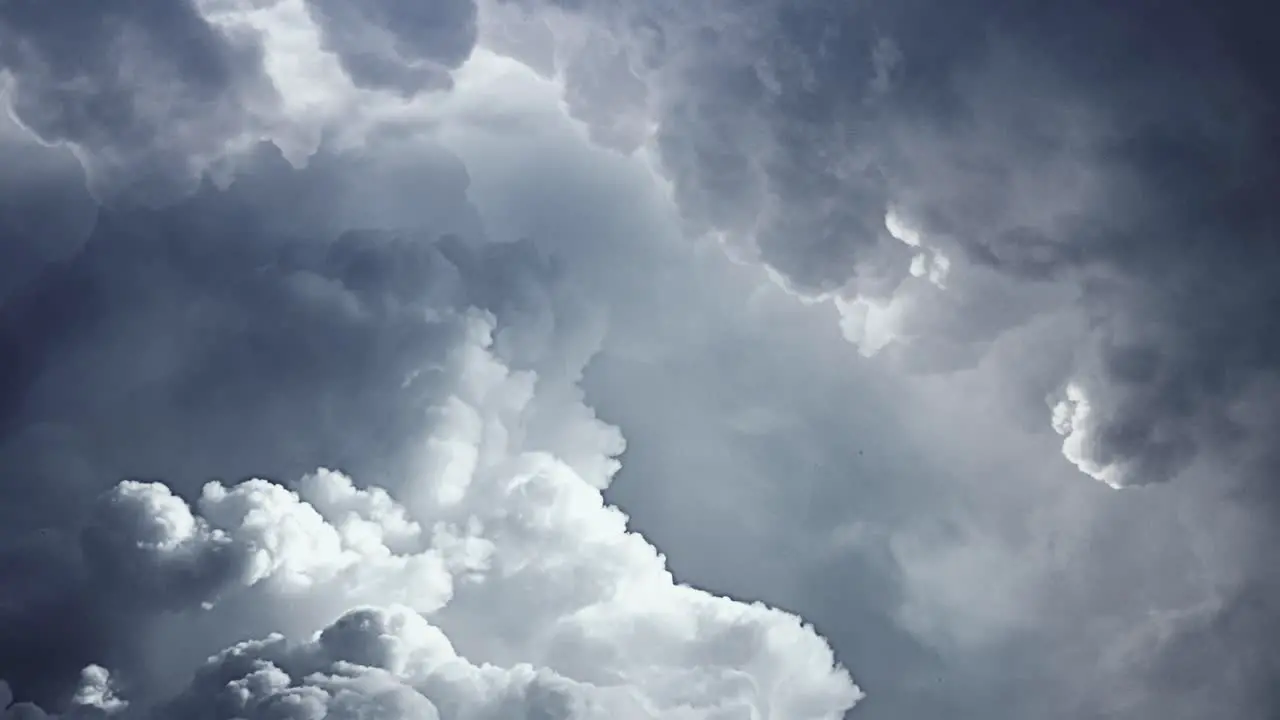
[148, 92]
[398, 44]
[1121, 156]
[1128, 150]
[1233, 641]
[45, 210]
[253, 330]
[214, 339]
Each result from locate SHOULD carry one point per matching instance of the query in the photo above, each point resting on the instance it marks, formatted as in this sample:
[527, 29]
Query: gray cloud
[981, 195]
[1133, 170]
[1106, 168]
[393, 44]
[227, 336]
[149, 94]
[937, 543]
[45, 211]
[164, 312]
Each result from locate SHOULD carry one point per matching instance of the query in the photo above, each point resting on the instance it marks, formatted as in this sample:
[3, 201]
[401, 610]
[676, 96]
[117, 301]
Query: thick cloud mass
[874, 151]
[225, 337]
[381, 367]
[308, 307]
[148, 93]
[396, 44]
[331, 545]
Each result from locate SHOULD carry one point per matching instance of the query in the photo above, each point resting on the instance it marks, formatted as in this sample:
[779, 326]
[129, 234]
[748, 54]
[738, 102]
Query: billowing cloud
[229, 336]
[1081, 188]
[148, 94]
[404, 46]
[45, 210]
[377, 245]
[544, 571]
[531, 530]
[1129, 190]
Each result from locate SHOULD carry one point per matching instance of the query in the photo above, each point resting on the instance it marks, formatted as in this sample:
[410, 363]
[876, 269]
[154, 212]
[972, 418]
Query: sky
[576, 359]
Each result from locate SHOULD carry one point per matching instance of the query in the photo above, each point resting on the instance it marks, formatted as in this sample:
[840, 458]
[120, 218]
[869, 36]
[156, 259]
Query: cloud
[593, 601]
[398, 45]
[148, 94]
[390, 662]
[548, 539]
[432, 284]
[1101, 217]
[45, 210]
[810, 134]
[228, 335]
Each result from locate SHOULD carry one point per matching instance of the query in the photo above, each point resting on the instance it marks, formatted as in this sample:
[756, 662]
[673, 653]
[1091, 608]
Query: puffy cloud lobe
[387, 663]
[398, 45]
[761, 139]
[94, 699]
[148, 94]
[695, 655]
[260, 532]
